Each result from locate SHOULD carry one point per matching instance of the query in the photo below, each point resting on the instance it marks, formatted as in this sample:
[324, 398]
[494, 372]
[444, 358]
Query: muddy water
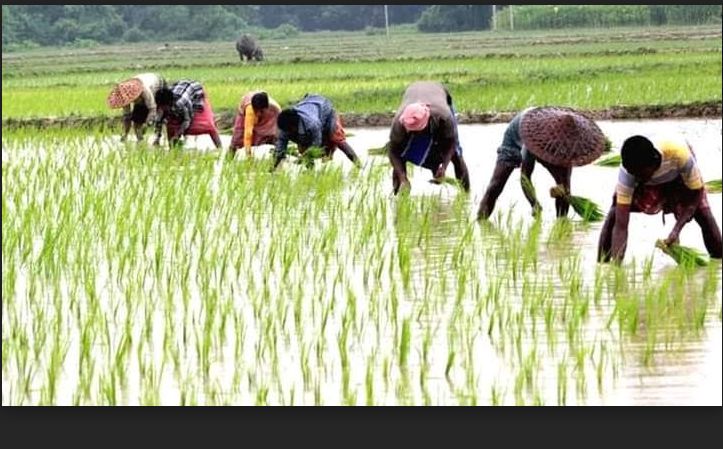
[688, 374]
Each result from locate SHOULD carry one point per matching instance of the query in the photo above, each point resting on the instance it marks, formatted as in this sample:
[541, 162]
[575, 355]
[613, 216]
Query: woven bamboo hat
[124, 93]
[561, 136]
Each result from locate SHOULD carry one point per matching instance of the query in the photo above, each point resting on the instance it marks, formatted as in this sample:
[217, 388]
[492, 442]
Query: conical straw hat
[124, 93]
[561, 136]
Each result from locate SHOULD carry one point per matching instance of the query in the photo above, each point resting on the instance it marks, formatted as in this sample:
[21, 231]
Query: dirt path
[225, 119]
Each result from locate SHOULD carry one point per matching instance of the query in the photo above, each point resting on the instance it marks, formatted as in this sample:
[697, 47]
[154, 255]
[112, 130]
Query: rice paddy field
[591, 69]
[133, 275]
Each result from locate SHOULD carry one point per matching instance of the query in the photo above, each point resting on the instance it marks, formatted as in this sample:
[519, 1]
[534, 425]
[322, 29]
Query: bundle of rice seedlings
[528, 187]
[585, 208]
[714, 186]
[307, 159]
[310, 155]
[683, 255]
[613, 160]
[530, 191]
[292, 150]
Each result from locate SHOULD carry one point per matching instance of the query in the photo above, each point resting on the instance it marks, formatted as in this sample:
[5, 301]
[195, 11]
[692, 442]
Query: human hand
[405, 187]
[439, 173]
[672, 239]
[536, 210]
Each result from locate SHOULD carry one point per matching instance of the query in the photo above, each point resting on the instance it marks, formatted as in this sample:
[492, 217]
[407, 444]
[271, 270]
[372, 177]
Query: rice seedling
[528, 187]
[308, 157]
[714, 186]
[585, 208]
[378, 78]
[613, 160]
[683, 255]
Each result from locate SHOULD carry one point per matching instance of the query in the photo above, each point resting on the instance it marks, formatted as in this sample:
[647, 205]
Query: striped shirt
[677, 160]
[188, 97]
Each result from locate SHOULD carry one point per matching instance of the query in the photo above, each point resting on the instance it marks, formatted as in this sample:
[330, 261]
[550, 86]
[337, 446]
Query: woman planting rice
[658, 177]
[255, 122]
[312, 122]
[559, 138]
[138, 92]
[187, 111]
[424, 132]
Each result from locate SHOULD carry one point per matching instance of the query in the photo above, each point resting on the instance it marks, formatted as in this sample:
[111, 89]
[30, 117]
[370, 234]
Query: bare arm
[692, 201]
[126, 122]
[620, 232]
[400, 169]
[160, 118]
[282, 144]
[185, 124]
[398, 138]
[451, 148]
[150, 101]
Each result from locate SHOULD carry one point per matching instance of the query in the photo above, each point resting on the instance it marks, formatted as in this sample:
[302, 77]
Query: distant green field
[486, 72]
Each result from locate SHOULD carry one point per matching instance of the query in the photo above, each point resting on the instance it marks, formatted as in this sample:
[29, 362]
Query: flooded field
[146, 277]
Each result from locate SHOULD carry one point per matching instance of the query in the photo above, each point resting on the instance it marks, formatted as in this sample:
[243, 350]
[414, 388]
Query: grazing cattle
[248, 49]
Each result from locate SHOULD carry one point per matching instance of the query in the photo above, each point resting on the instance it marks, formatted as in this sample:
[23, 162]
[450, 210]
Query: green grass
[714, 186]
[480, 82]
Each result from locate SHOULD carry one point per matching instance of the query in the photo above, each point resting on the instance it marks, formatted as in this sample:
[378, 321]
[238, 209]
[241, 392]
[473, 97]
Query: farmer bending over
[311, 122]
[138, 92]
[424, 132]
[185, 108]
[657, 177]
[559, 138]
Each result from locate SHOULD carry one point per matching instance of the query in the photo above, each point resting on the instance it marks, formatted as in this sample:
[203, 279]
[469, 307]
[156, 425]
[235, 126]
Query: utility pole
[512, 20]
[494, 17]
[386, 18]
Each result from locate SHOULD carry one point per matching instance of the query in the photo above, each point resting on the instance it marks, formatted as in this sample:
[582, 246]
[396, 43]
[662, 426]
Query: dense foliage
[77, 24]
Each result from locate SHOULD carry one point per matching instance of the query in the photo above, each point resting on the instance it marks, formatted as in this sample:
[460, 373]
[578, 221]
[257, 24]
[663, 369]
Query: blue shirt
[316, 119]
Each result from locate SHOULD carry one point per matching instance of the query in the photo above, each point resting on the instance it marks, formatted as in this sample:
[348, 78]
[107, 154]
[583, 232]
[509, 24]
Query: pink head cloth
[415, 117]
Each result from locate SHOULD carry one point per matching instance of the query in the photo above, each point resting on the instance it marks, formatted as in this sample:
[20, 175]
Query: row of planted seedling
[133, 275]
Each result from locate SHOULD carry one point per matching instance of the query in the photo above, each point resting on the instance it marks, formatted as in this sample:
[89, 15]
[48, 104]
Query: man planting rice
[558, 138]
[661, 176]
[312, 122]
[137, 98]
[185, 108]
[424, 132]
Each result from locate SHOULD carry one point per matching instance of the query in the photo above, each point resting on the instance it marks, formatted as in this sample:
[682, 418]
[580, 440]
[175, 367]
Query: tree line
[40, 25]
